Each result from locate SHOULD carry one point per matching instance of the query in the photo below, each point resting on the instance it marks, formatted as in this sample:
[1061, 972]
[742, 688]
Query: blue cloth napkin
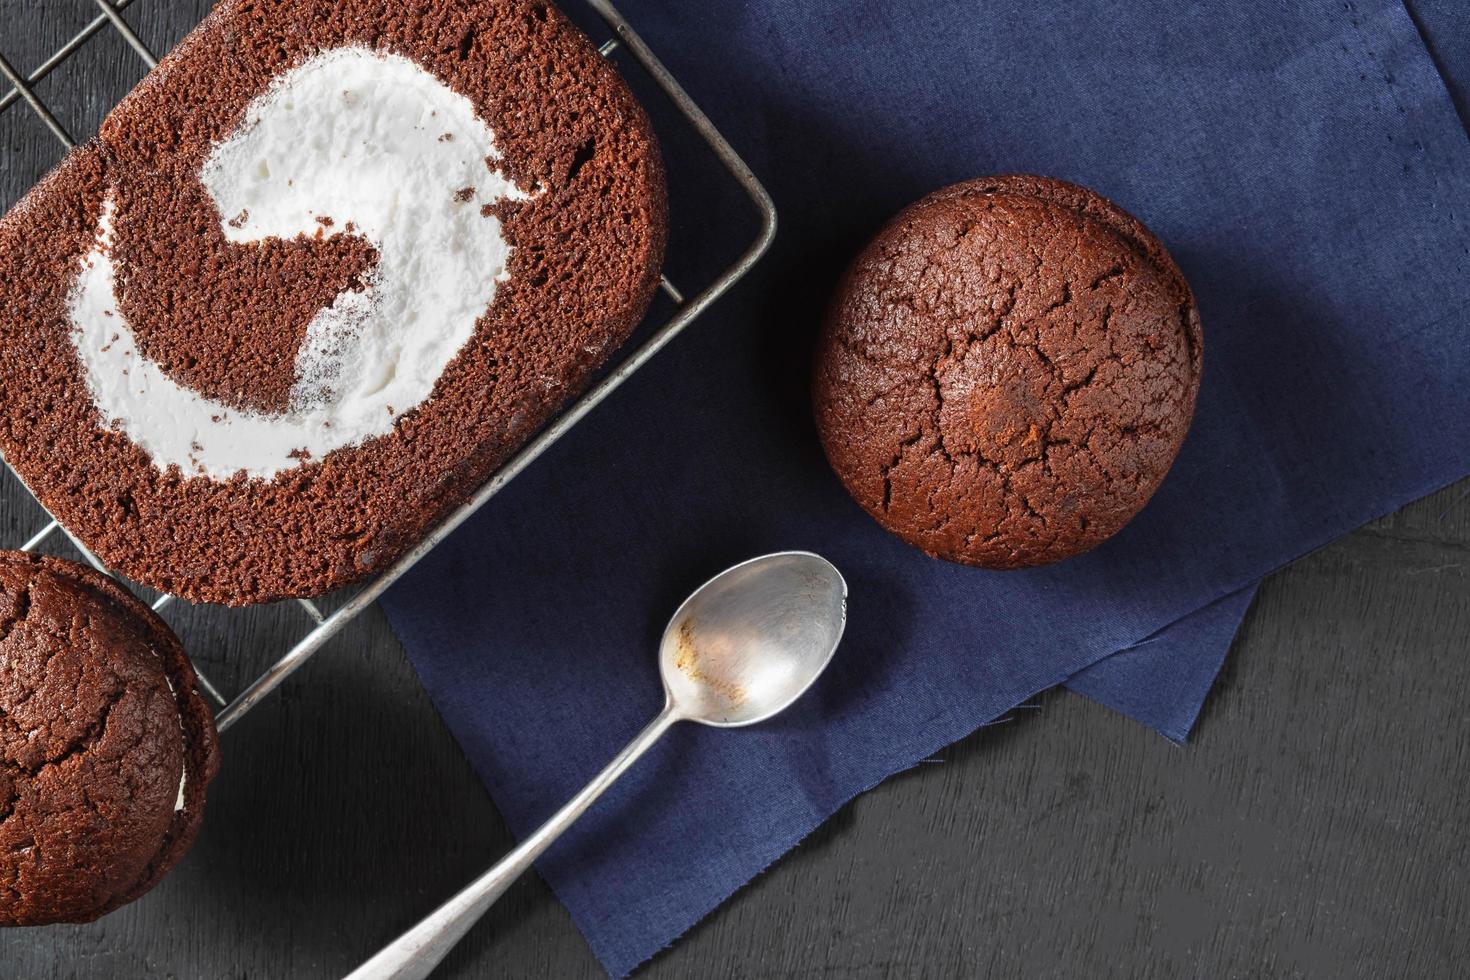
[1305, 165]
[1162, 680]
[1165, 686]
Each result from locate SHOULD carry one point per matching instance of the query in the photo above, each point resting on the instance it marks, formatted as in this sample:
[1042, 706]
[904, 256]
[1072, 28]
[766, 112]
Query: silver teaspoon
[742, 648]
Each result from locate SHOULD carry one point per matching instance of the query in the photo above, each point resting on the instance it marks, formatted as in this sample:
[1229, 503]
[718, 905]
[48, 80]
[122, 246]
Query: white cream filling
[383, 148]
[183, 737]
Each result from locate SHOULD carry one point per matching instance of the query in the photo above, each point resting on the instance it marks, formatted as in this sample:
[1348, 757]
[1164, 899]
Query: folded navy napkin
[1302, 161]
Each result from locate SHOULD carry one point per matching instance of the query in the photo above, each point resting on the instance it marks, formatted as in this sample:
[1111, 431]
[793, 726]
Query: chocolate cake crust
[1007, 371]
[99, 721]
[226, 319]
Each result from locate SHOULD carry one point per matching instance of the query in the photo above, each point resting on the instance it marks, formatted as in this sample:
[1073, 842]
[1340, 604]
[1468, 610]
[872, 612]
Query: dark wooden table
[1317, 826]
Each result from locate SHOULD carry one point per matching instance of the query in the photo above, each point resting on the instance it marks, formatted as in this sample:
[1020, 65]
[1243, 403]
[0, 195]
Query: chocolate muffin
[105, 749]
[1007, 371]
[321, 273]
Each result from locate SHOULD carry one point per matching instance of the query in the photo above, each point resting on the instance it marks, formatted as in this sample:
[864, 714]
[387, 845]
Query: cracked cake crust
[1007, 371]
[99, 720]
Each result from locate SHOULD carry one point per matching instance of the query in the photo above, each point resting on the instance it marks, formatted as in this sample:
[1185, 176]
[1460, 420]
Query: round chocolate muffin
[1007, 371]
[320, 275]
[105, 749]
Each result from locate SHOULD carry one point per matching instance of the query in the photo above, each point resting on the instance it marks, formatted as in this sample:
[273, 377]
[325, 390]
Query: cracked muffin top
[1007, 371]
[105, 748]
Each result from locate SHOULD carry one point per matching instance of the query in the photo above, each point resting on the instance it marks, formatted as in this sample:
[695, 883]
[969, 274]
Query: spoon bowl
[751, 640]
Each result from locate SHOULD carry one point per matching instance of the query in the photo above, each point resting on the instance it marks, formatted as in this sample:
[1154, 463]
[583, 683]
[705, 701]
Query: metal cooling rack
[323, 625]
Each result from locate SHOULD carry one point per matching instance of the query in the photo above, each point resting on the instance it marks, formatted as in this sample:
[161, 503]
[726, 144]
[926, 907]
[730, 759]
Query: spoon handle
[414, 954]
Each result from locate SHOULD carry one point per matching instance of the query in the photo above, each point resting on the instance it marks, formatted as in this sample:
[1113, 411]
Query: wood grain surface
[1316, 826]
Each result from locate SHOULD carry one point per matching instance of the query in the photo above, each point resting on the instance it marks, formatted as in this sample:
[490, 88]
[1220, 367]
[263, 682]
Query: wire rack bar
[36, 104]
[40, 536]
[326, 626]
[92, 559]
[112, 15]
[61, 54]
[207, 686]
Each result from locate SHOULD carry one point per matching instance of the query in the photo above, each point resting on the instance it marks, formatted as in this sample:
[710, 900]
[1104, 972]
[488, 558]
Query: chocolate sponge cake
[1007, 371]
[320, 274]
[105, 749]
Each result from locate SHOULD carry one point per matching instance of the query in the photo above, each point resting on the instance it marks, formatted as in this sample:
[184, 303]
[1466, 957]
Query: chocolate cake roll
[320, 274]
